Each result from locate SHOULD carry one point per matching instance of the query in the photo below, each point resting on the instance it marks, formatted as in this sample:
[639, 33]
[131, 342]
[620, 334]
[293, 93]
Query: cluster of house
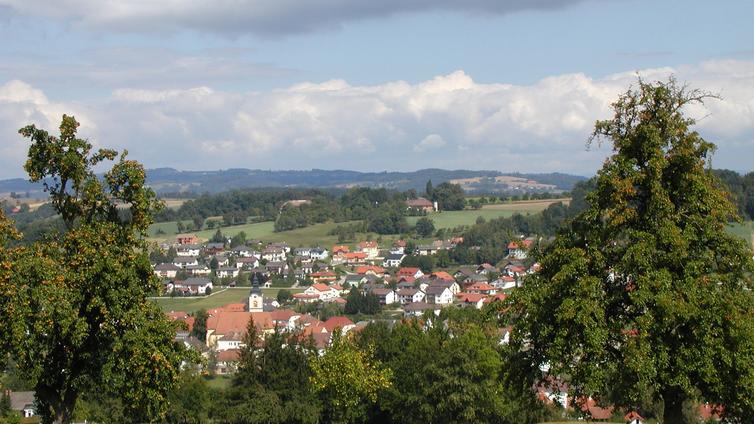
[228, 325]
[417, 292]
[196, 264]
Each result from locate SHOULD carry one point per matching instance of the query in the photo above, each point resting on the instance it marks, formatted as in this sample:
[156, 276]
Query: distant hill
[169, 180]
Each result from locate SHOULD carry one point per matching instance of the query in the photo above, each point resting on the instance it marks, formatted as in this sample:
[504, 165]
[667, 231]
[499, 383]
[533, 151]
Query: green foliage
[644, 298]
[74, 308]
[5, 405]
[238, 240]
[348, 380]
[284, 296]
[426, 263]
[390, 219]
[200, 325]
[359, 303]
[425, 227]
[218, 237]
[458, 381]
[741, 190]
[449, 197]
[190, 400]
[272, 383]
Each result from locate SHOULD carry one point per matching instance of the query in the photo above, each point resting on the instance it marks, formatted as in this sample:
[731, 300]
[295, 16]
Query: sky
[507, 85]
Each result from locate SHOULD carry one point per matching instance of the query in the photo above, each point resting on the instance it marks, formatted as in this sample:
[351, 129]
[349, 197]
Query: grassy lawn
[231, 295]
[219, 381]
[524, 206]
[312, 235]
[170, 228]
[743, 230]
[452, 219]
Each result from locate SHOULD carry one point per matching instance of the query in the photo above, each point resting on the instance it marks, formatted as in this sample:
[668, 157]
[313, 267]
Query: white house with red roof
[519, 249]
[339, 322]
[481, 288]
[325, 292]
[370, 269]
[474, 300]
[409, 272]
[370, 248]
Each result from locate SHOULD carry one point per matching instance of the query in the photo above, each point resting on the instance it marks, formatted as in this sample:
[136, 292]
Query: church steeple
[256, 298]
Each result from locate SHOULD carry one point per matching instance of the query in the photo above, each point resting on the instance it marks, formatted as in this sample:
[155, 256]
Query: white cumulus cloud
[450, 121]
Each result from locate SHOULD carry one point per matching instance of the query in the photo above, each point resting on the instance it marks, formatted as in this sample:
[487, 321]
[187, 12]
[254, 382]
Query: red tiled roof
[419, 203]
[340, 248]
[633, 415]
[225, 322]
[315, 329]
[481, 287]
[366, 268]
[230, 355]
[707, 411]
[442, 275]
[596, 412]
[523, 244]
[282, 314]
[498, 297]
[321, 287]
[470, 297]
[321, 340]
[407, 271]
[337, 322]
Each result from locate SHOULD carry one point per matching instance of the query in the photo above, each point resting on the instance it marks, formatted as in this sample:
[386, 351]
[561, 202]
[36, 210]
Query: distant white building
[188, 250]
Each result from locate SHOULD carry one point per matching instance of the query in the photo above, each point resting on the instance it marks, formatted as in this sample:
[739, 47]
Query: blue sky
[391, 85]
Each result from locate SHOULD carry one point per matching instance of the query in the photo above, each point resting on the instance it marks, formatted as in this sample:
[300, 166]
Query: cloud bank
[262, 17]
[450, 121]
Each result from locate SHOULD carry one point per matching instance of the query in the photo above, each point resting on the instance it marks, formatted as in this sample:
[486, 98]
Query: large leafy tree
[75, 314]
[349, 380]
[644, 298]
[272, 382]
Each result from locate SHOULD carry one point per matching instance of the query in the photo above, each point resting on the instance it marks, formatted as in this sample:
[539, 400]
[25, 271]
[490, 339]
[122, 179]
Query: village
[326, 276]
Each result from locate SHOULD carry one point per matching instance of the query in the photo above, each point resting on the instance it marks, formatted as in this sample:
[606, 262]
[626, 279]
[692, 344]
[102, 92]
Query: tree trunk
[673, 411]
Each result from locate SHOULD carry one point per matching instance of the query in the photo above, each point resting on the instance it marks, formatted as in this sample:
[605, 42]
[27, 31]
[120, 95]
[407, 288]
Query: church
[256, 298]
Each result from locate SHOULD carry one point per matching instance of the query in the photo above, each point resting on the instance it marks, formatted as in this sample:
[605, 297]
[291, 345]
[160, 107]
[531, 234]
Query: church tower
[256, 298]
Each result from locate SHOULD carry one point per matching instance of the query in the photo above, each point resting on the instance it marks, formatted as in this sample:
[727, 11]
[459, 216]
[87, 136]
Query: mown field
[317, 234]
[231, 295]
[743, 230]
[452, 219]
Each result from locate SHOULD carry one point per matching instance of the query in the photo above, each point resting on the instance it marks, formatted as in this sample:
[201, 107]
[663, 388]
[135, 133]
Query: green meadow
[193, 304]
